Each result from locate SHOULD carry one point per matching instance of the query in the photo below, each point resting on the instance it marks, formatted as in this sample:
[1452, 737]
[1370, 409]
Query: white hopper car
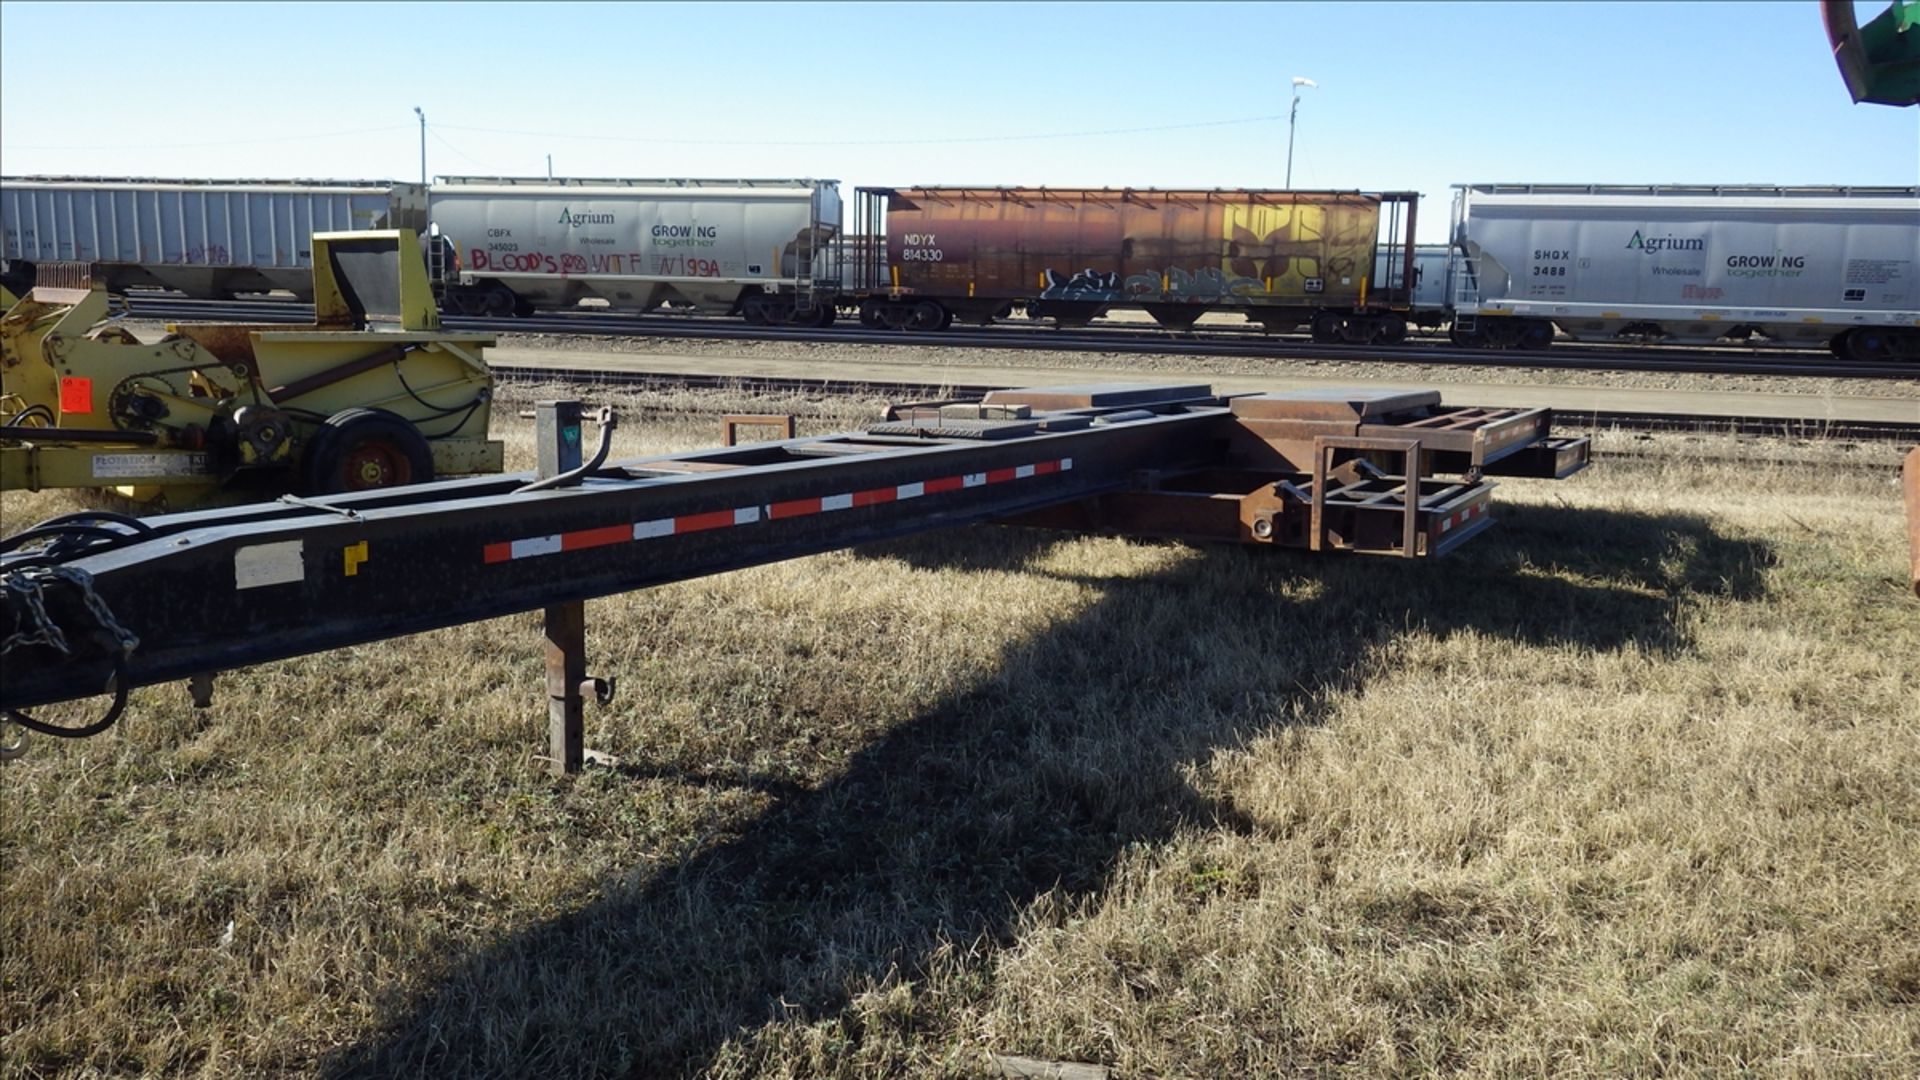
[1811, 265]
[758, 248]
[206, 238]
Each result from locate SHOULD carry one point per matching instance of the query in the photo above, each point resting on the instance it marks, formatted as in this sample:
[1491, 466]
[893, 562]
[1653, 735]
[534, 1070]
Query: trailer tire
[361, 449]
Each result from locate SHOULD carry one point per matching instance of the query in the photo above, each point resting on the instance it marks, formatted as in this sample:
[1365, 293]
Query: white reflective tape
[536, 545]
[1021, 472]
[1445, 524]
[910, 491]
[648, 530]
[746, 515]
[1066, 463]
[837, 502]
[974, 479]
[268, 564]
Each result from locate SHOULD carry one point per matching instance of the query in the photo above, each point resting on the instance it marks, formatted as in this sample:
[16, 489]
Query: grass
[1629, 786]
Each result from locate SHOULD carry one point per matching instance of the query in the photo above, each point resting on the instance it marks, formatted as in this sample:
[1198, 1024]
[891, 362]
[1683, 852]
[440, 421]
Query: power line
[869, 142]
[433, 130]
[222, 142]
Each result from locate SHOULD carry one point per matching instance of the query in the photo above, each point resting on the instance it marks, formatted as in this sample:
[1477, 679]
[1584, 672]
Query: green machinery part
[1881, 60]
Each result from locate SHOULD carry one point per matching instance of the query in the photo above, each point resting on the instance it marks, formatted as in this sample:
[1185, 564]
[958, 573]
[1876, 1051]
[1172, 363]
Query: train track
[1730, 424]
[1139, 340]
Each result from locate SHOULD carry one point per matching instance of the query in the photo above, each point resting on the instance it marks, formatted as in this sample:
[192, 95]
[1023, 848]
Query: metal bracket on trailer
[219, 589]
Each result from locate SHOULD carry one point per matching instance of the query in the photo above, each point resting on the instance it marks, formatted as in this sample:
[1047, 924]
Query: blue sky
[1411, 96]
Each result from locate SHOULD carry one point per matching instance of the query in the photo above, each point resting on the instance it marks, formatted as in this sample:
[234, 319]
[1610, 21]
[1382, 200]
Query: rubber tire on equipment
[362, 449]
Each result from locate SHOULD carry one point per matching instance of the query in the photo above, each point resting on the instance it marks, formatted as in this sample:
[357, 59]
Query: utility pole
[1298, 82]
[423, 142]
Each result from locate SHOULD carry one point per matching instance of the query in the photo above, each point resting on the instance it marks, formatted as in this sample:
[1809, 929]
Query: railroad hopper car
[757, 248]
[210, 239]
[1284, 259]
[1815, 265]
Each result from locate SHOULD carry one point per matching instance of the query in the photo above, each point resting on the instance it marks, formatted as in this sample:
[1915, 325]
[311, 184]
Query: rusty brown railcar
[1282, 258]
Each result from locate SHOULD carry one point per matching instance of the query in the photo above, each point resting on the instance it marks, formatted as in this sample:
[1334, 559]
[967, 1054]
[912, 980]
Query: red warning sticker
[76, 395]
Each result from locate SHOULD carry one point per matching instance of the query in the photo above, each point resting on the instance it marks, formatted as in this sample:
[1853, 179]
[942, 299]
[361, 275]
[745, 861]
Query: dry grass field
[1630, 786]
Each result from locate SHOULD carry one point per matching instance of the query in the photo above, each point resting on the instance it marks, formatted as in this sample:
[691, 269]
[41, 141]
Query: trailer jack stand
[1911, 482]
[558, 453]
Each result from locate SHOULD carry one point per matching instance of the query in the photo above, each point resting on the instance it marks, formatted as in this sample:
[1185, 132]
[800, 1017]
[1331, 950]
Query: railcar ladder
[1466, 295]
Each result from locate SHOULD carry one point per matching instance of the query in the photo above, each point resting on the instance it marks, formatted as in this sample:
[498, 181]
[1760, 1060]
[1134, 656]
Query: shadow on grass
[1032, 782]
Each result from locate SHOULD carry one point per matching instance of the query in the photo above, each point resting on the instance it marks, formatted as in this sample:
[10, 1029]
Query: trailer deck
[99, 604]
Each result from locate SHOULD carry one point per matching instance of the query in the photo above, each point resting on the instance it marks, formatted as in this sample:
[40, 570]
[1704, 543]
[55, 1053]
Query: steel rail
[1603, 420]
[1783, 362]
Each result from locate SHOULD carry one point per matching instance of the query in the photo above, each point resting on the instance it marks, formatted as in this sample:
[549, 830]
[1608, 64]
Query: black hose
[128, 520]
[29, 413]
[70, 538]
[59, 731]
[438, 410]
[575, 475]
[40, 532]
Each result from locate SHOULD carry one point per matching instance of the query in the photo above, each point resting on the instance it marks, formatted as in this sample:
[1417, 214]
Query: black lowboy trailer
[97, 604]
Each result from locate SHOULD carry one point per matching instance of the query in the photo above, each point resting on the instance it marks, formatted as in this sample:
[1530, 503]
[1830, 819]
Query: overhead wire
[957, 139]
[222, 142]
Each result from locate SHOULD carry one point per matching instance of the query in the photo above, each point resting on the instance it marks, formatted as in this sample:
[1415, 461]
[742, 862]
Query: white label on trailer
[123, 466]
[268, 564]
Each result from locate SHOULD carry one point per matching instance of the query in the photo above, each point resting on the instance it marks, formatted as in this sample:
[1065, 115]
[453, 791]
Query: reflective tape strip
[582, 539]
[1459, 517]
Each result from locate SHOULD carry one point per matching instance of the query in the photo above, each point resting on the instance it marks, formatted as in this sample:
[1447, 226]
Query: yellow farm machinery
[375, 393]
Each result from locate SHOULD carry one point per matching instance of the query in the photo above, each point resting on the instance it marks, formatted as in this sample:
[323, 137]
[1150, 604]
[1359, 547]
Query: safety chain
[29, 585]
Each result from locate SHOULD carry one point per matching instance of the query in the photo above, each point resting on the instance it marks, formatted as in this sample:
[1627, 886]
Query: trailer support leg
[557, 450]
[1912, 484]
[566, 672]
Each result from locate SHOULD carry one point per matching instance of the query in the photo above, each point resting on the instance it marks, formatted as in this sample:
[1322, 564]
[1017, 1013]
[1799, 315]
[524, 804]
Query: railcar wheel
[1868, 343]
[1391, 330]
[498, 302]
[1535, 334]
[754, 310]
[1326, 328]
[928, 315]
[361, 449]
[871, 316]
